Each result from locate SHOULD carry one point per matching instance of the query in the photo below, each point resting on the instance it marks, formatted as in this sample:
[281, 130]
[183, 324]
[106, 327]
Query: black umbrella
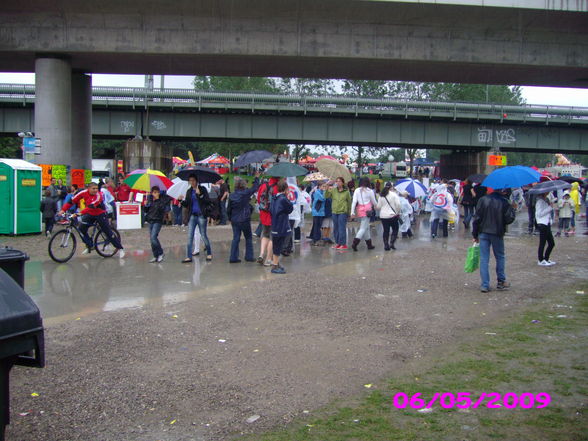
[476, 178]
[252, 157]
[549, 186]
[204, 175]
[571, 179]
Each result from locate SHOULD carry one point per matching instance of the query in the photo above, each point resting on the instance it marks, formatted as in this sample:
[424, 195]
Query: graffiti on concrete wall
[503, 136]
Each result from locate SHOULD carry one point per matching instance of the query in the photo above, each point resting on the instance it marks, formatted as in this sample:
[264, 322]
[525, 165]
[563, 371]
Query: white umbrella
[412, 186]
[179, 188]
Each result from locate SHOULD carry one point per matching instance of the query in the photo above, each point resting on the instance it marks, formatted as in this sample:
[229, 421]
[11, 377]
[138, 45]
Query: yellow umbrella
[333, 169]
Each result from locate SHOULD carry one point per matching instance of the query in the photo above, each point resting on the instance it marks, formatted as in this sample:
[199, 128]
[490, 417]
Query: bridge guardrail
[254, 102]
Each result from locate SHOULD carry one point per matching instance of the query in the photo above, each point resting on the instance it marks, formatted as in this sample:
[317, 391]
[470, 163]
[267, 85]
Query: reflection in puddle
[89, 284]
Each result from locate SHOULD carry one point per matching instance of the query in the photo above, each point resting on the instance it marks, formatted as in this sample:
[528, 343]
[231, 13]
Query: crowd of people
[283, 204]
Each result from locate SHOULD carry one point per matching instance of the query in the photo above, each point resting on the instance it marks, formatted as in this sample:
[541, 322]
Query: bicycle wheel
[102, 245]
[62, 246]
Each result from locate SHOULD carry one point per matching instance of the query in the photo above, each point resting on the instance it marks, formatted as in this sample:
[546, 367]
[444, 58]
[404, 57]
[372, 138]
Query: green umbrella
[285, 169]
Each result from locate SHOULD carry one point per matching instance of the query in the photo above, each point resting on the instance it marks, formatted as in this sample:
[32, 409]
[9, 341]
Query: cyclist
[94, 211]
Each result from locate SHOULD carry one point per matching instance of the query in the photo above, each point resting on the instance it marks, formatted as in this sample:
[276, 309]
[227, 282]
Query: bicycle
[63, 243]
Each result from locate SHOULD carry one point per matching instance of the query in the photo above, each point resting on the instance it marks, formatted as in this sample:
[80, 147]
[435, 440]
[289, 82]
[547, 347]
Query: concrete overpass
[531, 42]
[243, 117]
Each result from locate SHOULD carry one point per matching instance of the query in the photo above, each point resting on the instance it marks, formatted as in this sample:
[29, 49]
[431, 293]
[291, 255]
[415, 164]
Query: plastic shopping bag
[472, 262]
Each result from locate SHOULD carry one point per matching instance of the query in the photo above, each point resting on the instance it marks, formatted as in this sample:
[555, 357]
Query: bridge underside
[301, 38]
[320, 130]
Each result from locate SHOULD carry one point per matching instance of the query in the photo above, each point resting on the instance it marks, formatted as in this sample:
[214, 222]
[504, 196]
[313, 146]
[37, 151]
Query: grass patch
[535, 351]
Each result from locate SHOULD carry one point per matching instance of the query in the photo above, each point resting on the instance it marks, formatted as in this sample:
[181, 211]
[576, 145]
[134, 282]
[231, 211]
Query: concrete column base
[143, 154]
[461, 164]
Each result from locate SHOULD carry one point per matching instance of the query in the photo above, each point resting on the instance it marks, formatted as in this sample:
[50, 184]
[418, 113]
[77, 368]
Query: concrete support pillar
[53, 120]
[81, 130]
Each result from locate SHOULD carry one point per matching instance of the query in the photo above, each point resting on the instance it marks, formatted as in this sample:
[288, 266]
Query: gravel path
[198, 369]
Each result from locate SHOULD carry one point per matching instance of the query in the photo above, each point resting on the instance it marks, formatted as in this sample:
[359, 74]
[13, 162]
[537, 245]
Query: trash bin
[22, 340]
[13, 263]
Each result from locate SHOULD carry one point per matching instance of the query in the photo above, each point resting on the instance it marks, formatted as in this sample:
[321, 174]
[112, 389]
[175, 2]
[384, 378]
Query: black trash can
[13, 262]
[22, 340]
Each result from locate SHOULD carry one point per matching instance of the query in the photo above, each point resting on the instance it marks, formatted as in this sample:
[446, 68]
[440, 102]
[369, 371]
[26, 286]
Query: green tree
[107, 148]
[10, 148]
[235, 84]
[365, 88]
[306, 86]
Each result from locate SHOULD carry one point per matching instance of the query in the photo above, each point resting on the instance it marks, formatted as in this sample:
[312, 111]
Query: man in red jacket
[95, 211]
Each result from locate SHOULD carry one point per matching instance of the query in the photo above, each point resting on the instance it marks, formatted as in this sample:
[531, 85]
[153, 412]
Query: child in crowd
[566, 207]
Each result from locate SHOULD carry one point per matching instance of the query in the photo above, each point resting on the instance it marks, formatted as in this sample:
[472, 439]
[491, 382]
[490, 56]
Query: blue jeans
[154, 229]
[223, 212]
[435, 226]
[238, 228]
[468, 213]
[315, 233]
[177, 210]
[89, 220]
[340, 228]
[497, 244]
[200, 221]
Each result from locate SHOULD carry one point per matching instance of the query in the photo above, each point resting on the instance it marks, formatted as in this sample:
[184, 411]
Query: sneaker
[235, 261]
[336, 247]
[296, 240]
[484, 289]
[87, 250]
[153, 260]
[551, 262]
[433, 236]
[543, 263]
[160, 258]
[278, 270]
[121, 254]
[503, 286]
[197, 253]
[260, 260]
[343, 247]
[268, 263]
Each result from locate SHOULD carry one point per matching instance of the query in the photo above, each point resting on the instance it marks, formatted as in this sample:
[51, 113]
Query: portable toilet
[20, 197]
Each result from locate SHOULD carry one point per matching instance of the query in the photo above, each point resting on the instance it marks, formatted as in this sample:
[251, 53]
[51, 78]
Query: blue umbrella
[412, 187]
[511, 177]
[252, 157]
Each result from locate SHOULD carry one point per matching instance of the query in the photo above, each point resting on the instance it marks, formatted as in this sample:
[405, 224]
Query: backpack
[264, 198]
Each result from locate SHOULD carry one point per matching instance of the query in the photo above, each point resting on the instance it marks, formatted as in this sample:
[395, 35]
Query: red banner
[77, 177]
[128, 209]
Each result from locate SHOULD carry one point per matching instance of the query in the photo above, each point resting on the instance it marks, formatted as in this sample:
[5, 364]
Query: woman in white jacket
[406, 210]
[389, 208]
[543, 217]
[364, 201]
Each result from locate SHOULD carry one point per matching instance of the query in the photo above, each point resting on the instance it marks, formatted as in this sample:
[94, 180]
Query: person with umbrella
[493, 215]
[341, 206]
[543, 218]
[280, 208]
[197, 206]
[156, 208]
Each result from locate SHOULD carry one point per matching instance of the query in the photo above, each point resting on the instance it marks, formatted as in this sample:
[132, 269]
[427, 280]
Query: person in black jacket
[493, 214]
[239, 213]
[155, 210]
[280, 208]
[197, 205]
[49, 210]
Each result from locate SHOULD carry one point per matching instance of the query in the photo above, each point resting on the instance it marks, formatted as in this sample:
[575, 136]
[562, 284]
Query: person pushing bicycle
[95, 211]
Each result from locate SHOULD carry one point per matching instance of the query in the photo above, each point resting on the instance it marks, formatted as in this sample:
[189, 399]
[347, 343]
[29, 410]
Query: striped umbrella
[143, 180]
[412, 187]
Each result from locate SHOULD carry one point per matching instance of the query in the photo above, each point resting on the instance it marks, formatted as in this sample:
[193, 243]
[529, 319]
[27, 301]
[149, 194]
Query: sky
[553, 96]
